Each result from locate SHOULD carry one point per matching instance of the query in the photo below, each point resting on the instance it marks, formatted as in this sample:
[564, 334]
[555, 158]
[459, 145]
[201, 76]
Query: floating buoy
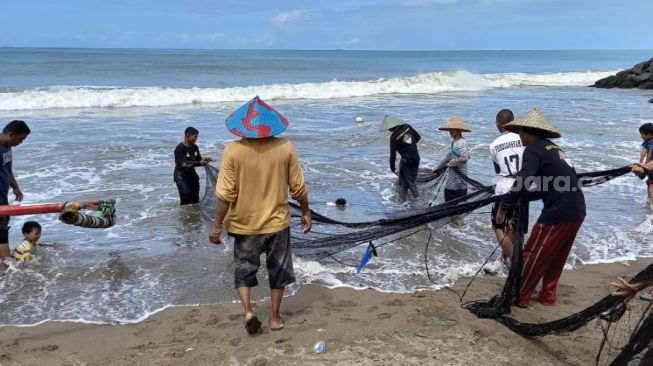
[358, 120]
[341, 202]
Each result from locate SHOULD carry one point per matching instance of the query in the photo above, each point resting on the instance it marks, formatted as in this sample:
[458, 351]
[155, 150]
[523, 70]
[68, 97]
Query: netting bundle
[500, 304]
[609, 309]
[329, 237]
[103, 218]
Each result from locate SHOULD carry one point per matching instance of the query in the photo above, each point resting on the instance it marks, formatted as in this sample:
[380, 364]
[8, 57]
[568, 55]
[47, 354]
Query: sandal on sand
[646, 296]
[252, 325]
[277, 329]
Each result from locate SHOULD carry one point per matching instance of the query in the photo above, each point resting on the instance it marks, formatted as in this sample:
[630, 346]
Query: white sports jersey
[507, 152]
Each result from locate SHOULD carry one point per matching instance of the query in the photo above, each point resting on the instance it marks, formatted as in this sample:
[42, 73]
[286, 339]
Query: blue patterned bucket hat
[256, 120]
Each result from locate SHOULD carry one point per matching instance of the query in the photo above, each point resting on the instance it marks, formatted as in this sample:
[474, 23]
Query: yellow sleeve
[298, 189]
[226, 188]
[23, 251]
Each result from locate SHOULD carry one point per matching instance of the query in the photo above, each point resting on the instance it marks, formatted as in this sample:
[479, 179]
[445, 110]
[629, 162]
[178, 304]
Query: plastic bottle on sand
[319, 347]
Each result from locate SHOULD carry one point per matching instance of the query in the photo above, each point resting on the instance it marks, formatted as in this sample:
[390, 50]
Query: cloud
[282, 18]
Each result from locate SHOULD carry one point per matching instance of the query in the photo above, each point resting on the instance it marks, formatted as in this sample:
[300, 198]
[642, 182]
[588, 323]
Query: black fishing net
[624, 344]
[609, 309]
[330, 236]
[501, 303]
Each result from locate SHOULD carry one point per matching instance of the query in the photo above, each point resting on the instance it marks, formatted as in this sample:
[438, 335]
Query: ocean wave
[429, 83]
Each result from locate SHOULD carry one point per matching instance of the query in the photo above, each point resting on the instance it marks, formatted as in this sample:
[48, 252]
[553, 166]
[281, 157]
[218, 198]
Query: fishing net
[609, 310]
[621, 343]
[330, 236]
[501, 303]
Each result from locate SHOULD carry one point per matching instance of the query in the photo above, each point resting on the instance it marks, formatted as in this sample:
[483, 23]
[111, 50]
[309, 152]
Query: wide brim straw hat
[256, 120]
[455, 123]
[533, 119]
[390, 122]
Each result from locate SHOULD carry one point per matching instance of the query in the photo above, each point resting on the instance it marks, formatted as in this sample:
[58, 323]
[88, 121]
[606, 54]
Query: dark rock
[640, 67]
[628, 83]
[623, 74]
[640, 76]
[646, 85]
[607, 83]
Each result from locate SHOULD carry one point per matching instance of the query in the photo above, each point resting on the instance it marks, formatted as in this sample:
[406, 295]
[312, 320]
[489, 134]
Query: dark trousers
[407, 176]
[4, 221]
[188, 185]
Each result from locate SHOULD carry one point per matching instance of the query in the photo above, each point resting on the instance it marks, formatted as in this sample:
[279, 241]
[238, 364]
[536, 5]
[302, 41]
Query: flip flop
[646, 297]
[277, 329]
[252, 325]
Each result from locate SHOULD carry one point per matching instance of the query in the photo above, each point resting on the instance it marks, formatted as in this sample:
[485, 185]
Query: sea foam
[428, 83]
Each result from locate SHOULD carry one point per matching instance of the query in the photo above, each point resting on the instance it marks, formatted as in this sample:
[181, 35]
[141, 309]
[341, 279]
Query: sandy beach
[362, 327]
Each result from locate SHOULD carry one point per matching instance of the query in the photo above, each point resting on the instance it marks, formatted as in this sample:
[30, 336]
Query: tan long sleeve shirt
[255, 178]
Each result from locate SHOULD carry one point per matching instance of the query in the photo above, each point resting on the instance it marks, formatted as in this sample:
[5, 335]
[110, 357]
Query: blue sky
[329, 24]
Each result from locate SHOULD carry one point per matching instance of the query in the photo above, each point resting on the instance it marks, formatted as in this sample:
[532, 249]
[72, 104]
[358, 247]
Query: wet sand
[363, 327]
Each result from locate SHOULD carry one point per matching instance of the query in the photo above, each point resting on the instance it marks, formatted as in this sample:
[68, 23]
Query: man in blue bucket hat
[256, 174]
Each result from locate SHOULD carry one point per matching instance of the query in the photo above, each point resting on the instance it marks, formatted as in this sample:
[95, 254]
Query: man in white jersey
[506, 151]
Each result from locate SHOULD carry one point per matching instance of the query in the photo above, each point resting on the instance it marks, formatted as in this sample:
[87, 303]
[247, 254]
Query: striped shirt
[459, 149]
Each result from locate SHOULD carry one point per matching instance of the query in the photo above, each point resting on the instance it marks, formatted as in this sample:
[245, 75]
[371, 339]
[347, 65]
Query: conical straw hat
[533, 119]
[455, 123]
[389, 122]
[255, 120]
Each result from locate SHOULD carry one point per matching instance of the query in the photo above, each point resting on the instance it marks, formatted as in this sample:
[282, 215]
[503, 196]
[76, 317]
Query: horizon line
[318, 50]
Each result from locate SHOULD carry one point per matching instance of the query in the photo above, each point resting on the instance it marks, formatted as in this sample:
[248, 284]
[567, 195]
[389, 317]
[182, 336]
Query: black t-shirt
[404, 140]
[187, 158]
[546, 175]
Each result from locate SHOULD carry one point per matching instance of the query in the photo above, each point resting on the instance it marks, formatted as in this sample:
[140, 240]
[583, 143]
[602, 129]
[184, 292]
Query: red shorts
[649, 182]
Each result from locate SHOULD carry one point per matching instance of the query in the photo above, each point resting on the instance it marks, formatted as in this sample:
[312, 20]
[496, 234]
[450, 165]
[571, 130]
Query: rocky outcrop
[640, 76]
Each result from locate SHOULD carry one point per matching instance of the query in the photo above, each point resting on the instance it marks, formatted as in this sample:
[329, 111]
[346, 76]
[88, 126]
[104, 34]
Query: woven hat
[389, 122]
[256, 120]
[533, 119]
[455, 123]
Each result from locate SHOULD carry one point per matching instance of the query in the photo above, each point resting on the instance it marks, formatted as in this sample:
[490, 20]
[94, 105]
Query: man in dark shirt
[187, 157]
[544, 175]
[14, 133]
[403, 140]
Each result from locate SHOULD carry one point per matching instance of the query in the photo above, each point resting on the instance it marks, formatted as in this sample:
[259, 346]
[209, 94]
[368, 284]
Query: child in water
[27, 247]
[646, 156]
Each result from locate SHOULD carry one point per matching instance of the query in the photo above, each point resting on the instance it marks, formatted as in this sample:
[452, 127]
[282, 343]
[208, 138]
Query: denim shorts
[247, 257]
[4, 223]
